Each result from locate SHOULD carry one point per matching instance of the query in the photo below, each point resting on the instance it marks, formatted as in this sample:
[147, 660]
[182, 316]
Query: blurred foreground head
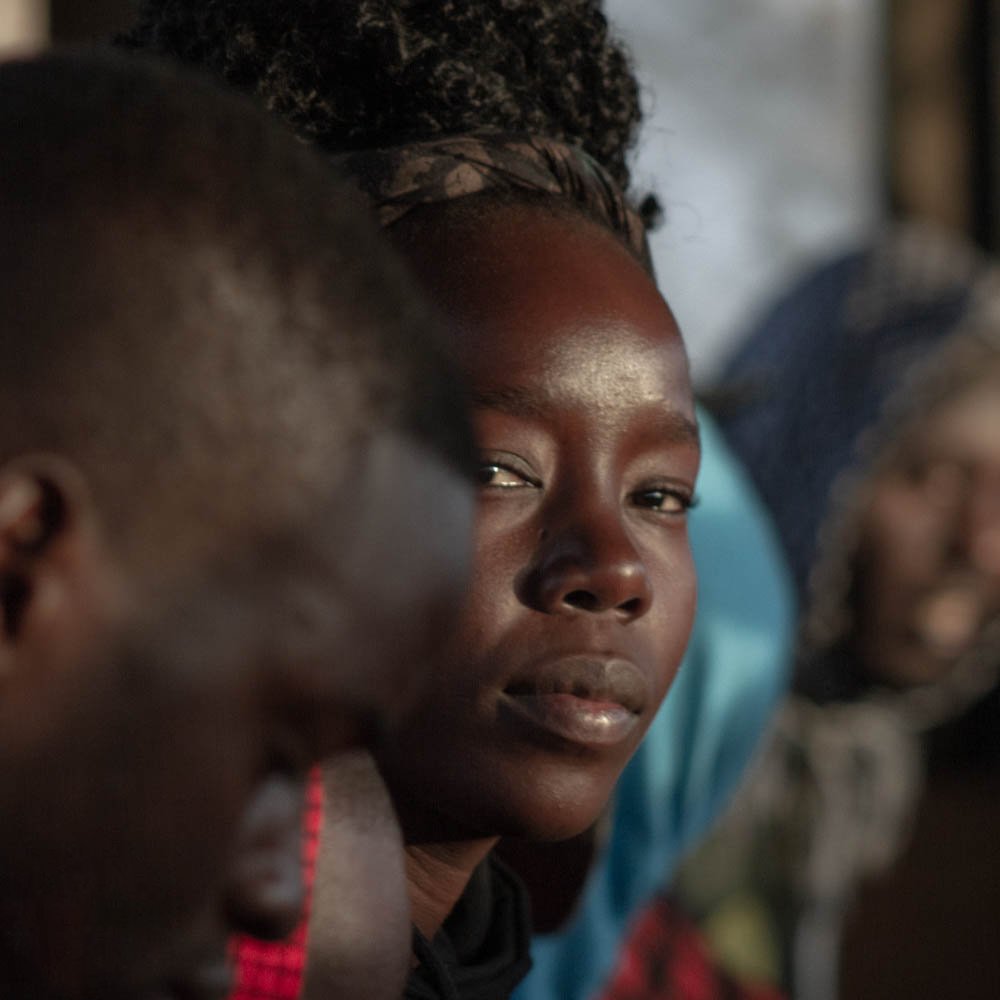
[232, 516]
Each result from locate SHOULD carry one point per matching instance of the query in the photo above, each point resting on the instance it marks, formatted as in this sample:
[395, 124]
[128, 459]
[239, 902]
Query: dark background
[88, 20]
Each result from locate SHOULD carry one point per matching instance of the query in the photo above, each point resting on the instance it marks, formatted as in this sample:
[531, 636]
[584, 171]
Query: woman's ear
[48, 556]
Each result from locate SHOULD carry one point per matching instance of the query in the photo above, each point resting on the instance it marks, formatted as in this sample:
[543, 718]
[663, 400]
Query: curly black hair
[347, 74]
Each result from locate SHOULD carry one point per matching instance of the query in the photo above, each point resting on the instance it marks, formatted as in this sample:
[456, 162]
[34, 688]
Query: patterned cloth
[401, 178]
[274, 970]
[665, 958]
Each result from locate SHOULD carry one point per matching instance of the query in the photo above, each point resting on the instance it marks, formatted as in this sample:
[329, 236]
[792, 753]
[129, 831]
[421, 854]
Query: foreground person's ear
[47, 562]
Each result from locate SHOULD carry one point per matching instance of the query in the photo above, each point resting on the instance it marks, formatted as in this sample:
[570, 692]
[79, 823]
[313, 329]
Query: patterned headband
[401, 178]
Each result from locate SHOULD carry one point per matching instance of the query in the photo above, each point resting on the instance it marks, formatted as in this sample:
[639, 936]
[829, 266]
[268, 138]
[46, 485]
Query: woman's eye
[497, 476]
[664, 501]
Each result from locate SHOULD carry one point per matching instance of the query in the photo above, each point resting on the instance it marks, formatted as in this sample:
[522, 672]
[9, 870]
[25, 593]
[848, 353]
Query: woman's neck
[437, 875]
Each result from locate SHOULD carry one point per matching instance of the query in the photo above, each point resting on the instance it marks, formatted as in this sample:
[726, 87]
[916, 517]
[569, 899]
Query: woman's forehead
[526, 270]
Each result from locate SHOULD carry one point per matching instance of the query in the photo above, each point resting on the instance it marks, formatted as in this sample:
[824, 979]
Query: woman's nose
[588, 564]
[265, 894]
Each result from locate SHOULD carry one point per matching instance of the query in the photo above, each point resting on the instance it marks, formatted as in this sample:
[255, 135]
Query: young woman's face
[929, 580]
[583, 586]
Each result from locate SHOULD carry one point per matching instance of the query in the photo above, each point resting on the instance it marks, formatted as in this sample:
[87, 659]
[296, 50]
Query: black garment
[482, 951]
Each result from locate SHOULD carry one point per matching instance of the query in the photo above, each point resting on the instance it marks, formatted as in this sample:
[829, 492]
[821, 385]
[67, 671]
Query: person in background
[866, 406]
[216, 381]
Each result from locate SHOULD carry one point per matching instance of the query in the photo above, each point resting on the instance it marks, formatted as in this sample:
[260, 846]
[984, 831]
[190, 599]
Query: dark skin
[70, 640]
[148, 850]
[583, 587]
[209, 456]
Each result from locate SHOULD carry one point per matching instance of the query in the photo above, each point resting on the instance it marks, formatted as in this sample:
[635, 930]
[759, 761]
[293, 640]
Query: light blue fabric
[735, 670]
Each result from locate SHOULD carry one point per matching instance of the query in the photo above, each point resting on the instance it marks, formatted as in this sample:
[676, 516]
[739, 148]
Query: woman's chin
[554, 818]
[532, 796]
[548, 816]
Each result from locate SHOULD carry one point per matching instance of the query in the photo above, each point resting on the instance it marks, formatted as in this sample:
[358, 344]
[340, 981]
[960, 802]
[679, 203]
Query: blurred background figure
[866, 406]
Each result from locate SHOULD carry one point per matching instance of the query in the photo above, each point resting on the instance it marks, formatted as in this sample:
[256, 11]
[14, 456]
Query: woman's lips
[579, 720]
[586, 700]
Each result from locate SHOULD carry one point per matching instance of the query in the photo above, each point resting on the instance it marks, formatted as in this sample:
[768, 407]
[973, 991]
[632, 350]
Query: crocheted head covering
[398, 179]
[821, 390]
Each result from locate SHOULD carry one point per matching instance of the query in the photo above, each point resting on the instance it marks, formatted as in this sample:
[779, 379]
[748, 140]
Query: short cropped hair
[185, 291]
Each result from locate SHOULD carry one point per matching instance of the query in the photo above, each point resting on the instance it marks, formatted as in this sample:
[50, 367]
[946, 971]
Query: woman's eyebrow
[666, 424]
[514, 400]
[675, 427]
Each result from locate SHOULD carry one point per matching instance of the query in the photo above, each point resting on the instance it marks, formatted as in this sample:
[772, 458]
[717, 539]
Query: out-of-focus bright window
[24, 25]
